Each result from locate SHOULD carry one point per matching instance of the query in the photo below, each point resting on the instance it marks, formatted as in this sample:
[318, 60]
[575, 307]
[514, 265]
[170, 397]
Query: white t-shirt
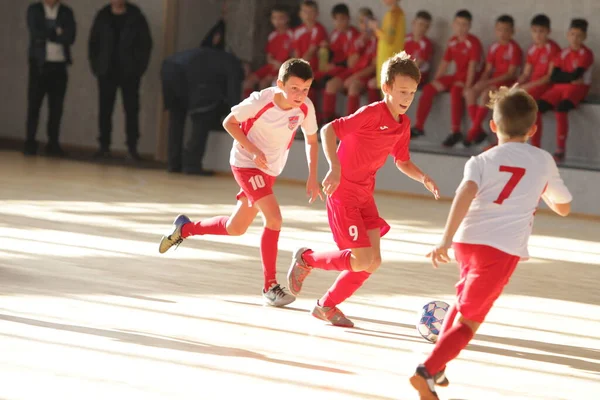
[54, 51]
[511, 178]
[270, 128]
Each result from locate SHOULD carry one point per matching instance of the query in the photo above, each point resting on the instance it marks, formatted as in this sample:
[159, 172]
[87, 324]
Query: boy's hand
[259, 158]
[312, 190]
[331, 181]
[439, 254]
[431, 186]
[373, 24]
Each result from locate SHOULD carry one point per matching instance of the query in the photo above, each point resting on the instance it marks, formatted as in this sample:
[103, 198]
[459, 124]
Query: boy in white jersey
[489, 226]
[263, 127]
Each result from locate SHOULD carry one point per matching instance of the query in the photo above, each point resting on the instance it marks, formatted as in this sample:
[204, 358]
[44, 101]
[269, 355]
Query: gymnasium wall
[484, 14]
[79, 124]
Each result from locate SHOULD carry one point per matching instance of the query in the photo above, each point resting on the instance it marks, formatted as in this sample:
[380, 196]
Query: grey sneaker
[424, 383]
[441, 379]
[298, 272]
[174, 239]
[333, 315]
[278, 296]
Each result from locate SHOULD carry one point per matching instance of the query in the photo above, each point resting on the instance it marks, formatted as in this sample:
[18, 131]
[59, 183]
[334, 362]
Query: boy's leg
[476, 134]
[537, 92]
[373, 91]
[266, 82]
[355, 89]
[426, 102]
[332, 87]
[572, 96]
[269, 207]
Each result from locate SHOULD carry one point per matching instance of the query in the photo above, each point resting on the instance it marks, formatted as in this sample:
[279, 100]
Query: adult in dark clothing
[119, 51]
[215, 38]
[51, 33]
[199, 82]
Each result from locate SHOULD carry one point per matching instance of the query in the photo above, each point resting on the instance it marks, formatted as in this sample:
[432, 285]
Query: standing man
[51, 33]
[119, 51]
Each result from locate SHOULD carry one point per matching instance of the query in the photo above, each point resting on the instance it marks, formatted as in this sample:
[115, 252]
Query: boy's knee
[364, 260]
[544, 106]
[236, 230]
[565, 106]
[375, 264]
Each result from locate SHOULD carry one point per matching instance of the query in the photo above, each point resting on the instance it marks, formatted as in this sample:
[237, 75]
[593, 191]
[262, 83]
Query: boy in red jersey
[572, 77]
[535, 78]
[503, 61]
[489, 225]
[360, 68]
[418, 45]
[263, 126]
[278, 50]
[465, 51]
[367, 138]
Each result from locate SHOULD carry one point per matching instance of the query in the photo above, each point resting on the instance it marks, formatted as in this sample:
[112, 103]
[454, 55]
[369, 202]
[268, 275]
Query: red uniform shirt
[462, 53]
[540, 58]
[420, 50]
[569, 60]
[366, 49]
[305, 37]
[368, 137]
[503, 56]
[340, 43]
[279, 45]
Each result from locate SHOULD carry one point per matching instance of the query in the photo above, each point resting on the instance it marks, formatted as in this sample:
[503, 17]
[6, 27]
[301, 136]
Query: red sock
[328, 260]
[536, 140]
[328, 108]
[482, 112]
[472, 110]
[425, 103]
[449, 319]
[448, 347]
[373, 95]
[268, 254]
[352, 104]
[247, 93]
[562, 130]
[456, 107]
[211, 226]
[347, 283]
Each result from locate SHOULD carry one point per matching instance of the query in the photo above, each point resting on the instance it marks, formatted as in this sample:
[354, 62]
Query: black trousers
[189, 159]
[130, 94]
[49, 79]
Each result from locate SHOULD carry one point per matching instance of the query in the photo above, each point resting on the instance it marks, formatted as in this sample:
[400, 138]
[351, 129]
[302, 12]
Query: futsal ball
[431, 318]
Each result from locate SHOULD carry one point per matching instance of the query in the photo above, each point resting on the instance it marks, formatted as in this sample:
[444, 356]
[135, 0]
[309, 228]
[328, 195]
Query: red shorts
[566, 91]
[537, 91]
[254, 183]
[266, 70]
[448, 81]
[484, 272]
[349, 225]
[347, 73]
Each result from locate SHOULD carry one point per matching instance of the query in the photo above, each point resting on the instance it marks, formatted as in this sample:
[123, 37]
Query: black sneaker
[416, 132]
[54, 150]
[559, 156]
[480, 138]
[424, 383]
[452, 139]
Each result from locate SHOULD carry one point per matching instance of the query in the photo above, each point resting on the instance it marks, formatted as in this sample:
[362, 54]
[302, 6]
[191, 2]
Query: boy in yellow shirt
[390, 35]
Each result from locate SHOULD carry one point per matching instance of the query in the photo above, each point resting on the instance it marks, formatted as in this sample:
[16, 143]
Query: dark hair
[340, 9]
[366, 12]
[310, 3]
[515, 111]
[579, 23]
[424, 15]
[295, 67]
[506, 19]
[280, 8]
[399, 64]
[464, 14]
[541, 20]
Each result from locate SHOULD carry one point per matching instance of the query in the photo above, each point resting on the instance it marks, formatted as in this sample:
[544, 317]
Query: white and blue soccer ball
[431, 317]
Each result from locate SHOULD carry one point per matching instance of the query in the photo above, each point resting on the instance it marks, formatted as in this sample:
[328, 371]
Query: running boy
[263, 128]
[489, 225]
[367, 138]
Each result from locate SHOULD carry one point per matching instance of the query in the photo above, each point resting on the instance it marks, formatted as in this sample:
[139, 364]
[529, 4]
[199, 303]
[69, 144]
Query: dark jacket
[39, 33]
[134, 45]
[217, 30]
[201, 80]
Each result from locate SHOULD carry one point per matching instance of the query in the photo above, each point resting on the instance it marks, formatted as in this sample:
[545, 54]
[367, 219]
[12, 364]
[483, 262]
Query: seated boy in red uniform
[465, 51]
[503, 61]
[278, 50]
[535, 78]
[418, 45]
[360, 68]
[572, 78]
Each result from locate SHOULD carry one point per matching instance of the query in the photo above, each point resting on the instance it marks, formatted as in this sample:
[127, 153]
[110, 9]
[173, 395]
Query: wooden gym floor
[89, 309]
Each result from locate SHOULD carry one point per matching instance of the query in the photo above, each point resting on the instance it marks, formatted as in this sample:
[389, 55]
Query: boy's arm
[560, 76]
[332, 179]
[312, 156]
[460, 206]
[472, 69]
[367, 71]
[411, 170]
[233, 127]
[557, 195]
[524, 77]
[271, 60]
[442, 69]
[512, 71]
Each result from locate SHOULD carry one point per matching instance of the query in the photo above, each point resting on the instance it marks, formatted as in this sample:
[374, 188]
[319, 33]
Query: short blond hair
[399, 64]
[514, 111]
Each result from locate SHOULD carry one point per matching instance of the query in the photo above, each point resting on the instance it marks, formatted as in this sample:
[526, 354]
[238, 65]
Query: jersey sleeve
[531, 56]
[248, 108]
[472, 171]
[320, 36]
[556, 190]
[517, 57]
[490, 55]
[587, 60]
[352, 123]
[401, 151]
[309, 125]
[448, 53]
[427, 51]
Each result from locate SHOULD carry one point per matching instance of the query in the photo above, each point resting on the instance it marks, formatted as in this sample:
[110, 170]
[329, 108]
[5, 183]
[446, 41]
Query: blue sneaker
[174, 239]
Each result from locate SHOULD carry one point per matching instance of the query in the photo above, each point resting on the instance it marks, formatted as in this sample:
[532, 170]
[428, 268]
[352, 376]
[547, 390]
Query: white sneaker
[278, 296]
